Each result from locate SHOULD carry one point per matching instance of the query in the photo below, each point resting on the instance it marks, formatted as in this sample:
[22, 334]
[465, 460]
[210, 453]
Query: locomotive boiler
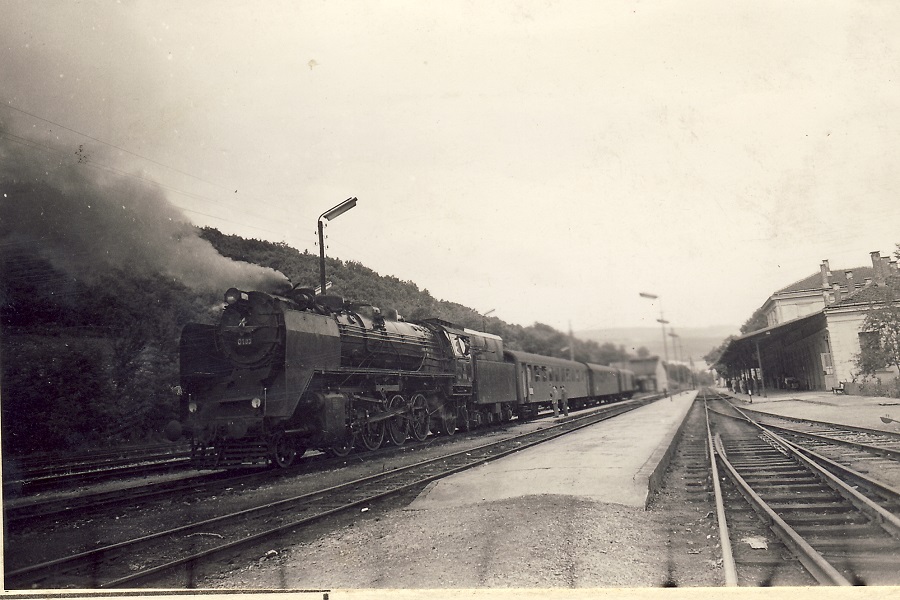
[280, 374]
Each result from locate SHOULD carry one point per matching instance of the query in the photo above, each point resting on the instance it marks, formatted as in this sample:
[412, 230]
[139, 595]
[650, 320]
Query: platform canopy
[789, 349]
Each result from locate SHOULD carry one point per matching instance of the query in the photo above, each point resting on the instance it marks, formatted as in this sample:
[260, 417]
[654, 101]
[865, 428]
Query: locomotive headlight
[256, 403]
[192, 407]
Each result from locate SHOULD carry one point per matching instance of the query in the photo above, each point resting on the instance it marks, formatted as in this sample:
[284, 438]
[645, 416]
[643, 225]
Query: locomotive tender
[280, 374]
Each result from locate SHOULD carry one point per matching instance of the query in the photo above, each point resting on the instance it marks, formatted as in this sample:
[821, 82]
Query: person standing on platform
[553, 402]
[564, 399]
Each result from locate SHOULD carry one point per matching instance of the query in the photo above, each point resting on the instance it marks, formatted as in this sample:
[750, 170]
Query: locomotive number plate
[245, 341]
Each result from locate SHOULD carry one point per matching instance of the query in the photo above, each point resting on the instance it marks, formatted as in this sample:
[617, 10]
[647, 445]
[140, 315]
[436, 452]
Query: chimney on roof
[826, 273]
[893, 270]
[836, 289]
[876, 266]
[885, 267]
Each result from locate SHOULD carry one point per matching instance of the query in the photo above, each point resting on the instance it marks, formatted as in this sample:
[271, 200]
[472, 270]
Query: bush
[875, 386]
[55, 394]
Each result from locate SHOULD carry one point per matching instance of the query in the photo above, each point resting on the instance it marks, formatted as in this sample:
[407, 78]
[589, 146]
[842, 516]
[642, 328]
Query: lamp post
[660, 320]
[676, 342]
[484, 319]
[332, 213]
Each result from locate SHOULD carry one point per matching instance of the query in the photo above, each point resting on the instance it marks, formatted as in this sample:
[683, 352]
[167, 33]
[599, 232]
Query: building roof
[644, 366]
[875, 292]
[814, 281]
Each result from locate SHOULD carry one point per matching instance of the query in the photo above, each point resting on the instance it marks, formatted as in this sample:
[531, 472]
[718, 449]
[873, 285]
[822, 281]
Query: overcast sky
[548, 160]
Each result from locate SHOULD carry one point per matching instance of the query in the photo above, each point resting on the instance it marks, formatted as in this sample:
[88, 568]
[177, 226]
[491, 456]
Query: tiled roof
[814, 281]
[876, 292]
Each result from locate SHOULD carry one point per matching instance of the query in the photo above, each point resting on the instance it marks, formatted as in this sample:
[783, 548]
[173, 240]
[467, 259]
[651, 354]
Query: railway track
[785, 504]
[40, 475]
[155, 554]
[19, 512]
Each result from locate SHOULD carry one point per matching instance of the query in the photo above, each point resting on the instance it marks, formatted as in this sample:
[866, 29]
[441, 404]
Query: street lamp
[660, 320]
[332, 213]
[484, 319]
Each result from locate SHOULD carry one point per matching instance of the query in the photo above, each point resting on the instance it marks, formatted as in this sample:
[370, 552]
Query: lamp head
[339, 209]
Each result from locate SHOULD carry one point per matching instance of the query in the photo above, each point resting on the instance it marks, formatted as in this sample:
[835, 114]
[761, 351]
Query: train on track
[281, 374]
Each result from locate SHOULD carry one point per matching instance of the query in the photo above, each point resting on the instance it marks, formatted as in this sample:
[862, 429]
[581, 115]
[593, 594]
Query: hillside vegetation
[90, 351]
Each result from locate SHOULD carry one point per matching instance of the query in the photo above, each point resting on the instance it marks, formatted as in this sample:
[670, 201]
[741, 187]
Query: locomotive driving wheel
[419, 420]
[282, 451]
[448, 421]
[398, 427]
[342, 448]
[463, 419]
[372, 435]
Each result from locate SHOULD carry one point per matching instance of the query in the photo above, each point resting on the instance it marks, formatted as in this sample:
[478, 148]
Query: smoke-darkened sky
[549, 160]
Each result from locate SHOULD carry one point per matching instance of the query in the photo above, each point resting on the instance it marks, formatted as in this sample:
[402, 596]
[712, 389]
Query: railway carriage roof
[595, 367]
[541, 360]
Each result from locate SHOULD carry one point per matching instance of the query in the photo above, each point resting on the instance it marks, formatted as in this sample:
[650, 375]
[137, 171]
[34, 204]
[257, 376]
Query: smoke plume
[84, 219]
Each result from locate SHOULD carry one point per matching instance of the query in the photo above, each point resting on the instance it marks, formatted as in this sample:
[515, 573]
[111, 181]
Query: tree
[756, 322]
[712, 357]
[880, 342]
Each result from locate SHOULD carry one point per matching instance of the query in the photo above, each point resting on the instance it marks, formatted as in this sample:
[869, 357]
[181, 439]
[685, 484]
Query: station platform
[858, 411]
[618, 461]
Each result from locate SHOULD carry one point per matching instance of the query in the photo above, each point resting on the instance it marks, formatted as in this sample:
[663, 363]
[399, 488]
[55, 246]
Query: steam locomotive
[280, 374]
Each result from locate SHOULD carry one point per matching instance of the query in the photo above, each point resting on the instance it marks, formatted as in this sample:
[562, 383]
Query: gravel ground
[537, 541]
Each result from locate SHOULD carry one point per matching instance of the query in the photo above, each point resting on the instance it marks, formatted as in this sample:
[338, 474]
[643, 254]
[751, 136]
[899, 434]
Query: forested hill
[358, 283]
[98, 276]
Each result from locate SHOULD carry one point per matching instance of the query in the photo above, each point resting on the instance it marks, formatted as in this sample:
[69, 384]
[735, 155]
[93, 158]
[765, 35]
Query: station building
[813, 333]
[649, 373]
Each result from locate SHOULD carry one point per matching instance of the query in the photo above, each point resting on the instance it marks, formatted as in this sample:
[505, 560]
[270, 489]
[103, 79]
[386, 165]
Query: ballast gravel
[526, 542]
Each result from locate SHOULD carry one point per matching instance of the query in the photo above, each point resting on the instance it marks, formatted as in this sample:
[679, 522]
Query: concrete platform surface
[613, 461]
[858, 411]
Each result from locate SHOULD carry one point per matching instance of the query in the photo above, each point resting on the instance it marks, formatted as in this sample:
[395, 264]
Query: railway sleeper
[788, 508]
[853, 545]
[813, 531]
[769, 470]
[788, 497]
[766, 480]
[786, 487]
[847, 517]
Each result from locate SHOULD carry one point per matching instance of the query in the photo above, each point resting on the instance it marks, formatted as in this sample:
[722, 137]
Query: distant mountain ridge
[692, 342]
